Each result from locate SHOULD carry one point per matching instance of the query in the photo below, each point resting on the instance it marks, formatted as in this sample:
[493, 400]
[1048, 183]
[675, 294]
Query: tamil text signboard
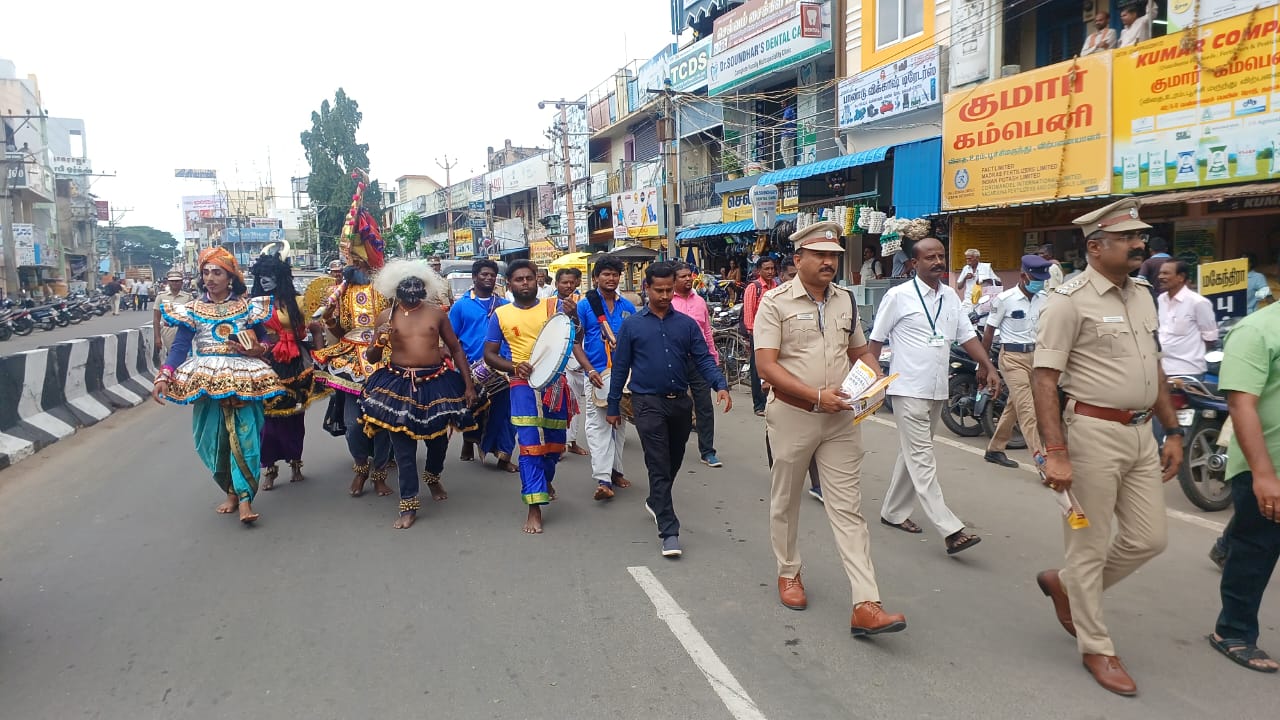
[1038, 135]
[764, 36]
[909, 84]
[1225, 283]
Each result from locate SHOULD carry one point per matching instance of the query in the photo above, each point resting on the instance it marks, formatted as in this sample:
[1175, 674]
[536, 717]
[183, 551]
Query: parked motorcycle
[20, 318]
[43, 316]
[6, 325]
[1202, 414]
[960, 414]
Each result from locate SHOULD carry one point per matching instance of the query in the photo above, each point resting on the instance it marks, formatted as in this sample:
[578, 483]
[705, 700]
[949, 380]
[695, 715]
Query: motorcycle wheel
[23, 327]
[729, 347]
[1205, 487]
[75, 317]
[47, 325]
[958, 414]
[991, 418]
[6, 332]
[62, 320]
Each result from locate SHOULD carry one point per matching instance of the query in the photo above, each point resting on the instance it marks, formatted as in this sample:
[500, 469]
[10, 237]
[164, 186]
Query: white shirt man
[976, 273]
[1016, 314]
[1137, 28]
[1187, 323]
[1103, 37]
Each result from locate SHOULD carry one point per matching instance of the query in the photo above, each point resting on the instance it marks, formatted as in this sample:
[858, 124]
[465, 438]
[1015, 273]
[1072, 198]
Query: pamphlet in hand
[866, 392]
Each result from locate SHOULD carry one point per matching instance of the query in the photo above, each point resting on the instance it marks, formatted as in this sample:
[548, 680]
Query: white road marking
[734, 697]
[1186, 517]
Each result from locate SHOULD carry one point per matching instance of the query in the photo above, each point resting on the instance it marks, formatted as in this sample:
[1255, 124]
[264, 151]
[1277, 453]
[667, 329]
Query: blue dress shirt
[654, 351]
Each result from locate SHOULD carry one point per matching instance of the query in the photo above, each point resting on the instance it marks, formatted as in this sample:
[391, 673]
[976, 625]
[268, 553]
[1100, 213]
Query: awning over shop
[729, 228]
[1208, 195]
[822, 167]
[917, 178]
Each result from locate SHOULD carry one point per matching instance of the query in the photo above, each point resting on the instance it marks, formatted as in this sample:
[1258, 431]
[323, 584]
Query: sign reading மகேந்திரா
[1194, 110]
[1037, 135]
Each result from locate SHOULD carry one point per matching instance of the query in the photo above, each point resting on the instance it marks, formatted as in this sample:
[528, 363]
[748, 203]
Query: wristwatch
[1175, 431]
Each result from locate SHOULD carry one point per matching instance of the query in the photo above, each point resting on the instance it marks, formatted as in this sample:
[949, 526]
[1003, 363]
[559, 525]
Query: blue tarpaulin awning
[822, 167]
[729, 228]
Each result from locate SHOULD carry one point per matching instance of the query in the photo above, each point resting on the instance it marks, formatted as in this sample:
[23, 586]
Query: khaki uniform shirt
[164, 299]
[812, 341]
[1103, 339]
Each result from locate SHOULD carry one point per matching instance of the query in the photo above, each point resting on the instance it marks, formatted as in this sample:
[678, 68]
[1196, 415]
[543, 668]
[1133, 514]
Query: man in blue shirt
[601, 313]
[654, 346]
[1257, 281]
[470, 316]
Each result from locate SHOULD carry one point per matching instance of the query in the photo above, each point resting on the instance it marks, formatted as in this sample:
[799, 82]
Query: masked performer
[540, 418]
[285, 427]
[224, 379]
[351, 314]
[416, 396]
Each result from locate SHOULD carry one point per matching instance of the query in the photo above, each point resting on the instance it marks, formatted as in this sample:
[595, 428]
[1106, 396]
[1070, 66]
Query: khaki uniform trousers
[1015, 368]
[835, 443]
[1115, 471]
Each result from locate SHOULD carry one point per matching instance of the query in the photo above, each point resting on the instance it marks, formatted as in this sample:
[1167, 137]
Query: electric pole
[6, 219]
[670, 140]
[568, 179]
[448, 203]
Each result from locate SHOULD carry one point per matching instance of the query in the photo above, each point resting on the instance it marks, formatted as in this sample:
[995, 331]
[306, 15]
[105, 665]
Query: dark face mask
[354, 275]
[411, 292]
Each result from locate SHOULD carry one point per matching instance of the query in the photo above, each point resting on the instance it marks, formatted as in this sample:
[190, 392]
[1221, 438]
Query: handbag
[333, 422]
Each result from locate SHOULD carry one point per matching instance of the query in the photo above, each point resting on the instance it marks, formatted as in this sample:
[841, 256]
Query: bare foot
[468, 453]
[551, 491]
[438, 492]
[379, 478]
[620, 482]
[533, 524]
[405, 521]
[247, 515]
[504, 463]
[269, 474]
[229, 505]
[357, 483]
[577, 449]
[297, 472]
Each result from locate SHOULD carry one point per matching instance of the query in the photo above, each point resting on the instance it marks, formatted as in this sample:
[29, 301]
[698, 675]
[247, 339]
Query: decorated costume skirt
[299, 382]
[422, 403]
[342, 366]
[223, 377]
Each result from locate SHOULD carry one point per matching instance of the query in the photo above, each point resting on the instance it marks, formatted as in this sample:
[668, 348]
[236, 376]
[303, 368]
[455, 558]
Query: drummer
[470, 316]
[601, 313]
[540, 417]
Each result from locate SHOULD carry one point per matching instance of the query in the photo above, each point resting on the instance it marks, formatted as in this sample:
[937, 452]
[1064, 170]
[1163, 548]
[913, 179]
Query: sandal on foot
[1241, 653]
[603, 492]
[960, 540]
[905, 526]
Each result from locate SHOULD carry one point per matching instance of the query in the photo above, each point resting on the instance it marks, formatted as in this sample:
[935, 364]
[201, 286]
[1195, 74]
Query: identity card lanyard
[935, 339]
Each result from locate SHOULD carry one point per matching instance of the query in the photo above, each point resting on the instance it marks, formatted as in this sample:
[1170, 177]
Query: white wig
[390, 276]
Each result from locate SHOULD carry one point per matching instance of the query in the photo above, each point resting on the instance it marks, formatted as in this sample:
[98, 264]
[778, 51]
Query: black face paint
[411, 291]
[354, 275]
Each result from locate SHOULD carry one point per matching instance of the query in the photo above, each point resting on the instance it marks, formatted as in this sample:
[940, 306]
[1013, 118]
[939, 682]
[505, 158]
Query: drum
[487, 380]
[551, 351]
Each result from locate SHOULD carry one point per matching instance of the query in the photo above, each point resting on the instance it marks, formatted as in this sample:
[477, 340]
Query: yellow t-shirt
[520, 327]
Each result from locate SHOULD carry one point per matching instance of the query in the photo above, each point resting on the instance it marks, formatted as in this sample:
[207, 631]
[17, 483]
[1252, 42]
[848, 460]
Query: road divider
[49, 393]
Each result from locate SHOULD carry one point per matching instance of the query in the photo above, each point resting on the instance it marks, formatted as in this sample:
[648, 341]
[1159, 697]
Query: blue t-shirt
[592, 340]
[470, 319]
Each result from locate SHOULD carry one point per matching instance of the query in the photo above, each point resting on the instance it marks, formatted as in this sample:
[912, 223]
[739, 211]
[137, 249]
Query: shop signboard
[764, 206]
[909, 84]
[790, 198]
[464, 245]
[1195, 240]
[764, 36]
[1194, 13]
[1226, 284]
[26, 249]
[1038, 135]
[1201, 114]
[688, 69]
[969, 56]
[195, 174]
[103, 208]
[635, 214]
[542, 253]
[735, 206]
[63, 165]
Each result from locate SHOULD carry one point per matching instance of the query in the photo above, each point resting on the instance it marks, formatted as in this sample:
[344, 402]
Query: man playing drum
[541, 415]
[470, 316]
[601, 313]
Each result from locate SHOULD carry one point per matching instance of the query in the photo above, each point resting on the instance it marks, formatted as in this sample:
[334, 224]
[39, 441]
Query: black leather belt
[666, 396]
[1018, 347]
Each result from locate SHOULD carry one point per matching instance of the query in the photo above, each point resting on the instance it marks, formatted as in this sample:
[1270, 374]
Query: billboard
[764, 36]
[635, 214]
[912, 83]
[688, 69]
[198, 210]
[1198, 114]
[64, 165]
[103, 208]
[1190, 13]
[193, 174]
[1038, 135]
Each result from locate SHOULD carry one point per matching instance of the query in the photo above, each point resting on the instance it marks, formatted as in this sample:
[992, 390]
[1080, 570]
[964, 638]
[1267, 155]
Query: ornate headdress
[360, 236]
[220, 256]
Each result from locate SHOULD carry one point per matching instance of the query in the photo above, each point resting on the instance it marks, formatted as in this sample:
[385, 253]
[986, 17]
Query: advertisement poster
[1225, 283]
[1038, 135]
[1194, 240]
[464, 245]
[908, 84]
[761, 37]
[1188, 116]
[969, 57]
[635, 214]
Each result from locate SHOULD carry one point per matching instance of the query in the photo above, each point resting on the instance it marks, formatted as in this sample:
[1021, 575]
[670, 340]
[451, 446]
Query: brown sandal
[905, 526]
[960, 540]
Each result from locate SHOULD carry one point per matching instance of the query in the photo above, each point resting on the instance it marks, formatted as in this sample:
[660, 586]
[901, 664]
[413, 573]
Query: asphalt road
[96, 326]
[125, 596]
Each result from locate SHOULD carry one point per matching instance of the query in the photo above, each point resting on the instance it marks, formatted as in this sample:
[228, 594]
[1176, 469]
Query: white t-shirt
[902, 320]
[1140, 30]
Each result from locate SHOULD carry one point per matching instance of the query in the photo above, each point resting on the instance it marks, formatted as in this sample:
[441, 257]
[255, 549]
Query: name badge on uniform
[936, 340]
[804, 316]
[1113, 319]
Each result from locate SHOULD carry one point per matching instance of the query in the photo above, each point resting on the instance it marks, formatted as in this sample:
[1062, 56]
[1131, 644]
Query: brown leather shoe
[1110, 674]
[791, 593]
[1051, 586]
[869, 618]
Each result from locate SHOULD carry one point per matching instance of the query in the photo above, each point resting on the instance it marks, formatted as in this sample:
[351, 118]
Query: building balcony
[700, 193]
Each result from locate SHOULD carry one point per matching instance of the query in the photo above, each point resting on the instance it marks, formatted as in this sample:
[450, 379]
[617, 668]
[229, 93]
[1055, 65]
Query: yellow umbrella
[575, 260]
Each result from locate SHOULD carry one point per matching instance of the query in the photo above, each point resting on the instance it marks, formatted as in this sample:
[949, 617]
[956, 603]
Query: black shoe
[1218, 553]
[999, 458]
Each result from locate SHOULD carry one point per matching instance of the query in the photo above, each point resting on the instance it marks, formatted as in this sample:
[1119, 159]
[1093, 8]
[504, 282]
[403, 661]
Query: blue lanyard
[933, 327]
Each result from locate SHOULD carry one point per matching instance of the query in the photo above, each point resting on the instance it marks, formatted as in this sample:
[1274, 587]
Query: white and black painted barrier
[49, 393]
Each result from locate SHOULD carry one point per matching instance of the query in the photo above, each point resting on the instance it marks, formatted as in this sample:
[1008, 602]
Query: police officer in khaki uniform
[1097, 335]
[807, 337]
[172, 294]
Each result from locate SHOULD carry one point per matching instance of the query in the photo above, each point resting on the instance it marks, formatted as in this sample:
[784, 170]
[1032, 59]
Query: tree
[146, 246]
[405, 235]
[332, 152]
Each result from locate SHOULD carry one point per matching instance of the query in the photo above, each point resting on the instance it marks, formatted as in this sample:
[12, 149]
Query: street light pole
[563, 106]
[448, 205]
[6, 220]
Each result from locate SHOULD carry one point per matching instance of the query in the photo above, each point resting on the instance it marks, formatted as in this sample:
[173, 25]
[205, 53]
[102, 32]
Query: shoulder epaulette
[1071, 285]
[1139, 280]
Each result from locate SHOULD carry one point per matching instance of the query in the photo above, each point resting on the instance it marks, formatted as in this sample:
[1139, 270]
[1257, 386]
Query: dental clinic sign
[764, 36]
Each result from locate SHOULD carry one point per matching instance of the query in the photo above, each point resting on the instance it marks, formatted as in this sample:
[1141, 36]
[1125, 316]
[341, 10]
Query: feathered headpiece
[396, 271]
[360, 237]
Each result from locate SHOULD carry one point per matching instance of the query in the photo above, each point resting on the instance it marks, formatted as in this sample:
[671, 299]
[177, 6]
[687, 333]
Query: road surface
[125, 596]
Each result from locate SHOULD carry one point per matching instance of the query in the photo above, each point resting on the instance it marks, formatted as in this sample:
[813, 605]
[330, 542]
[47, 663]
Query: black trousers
[405, 449]
[759, 398]
[1253, 545]
[704, 408]
[663, 425]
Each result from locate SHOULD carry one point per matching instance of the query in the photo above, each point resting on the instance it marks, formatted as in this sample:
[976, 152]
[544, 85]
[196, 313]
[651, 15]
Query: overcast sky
[222, 85]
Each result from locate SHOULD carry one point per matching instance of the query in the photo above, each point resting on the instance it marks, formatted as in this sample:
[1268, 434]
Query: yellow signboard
[735, 206]
[542, 252]
[1199, 107]
[1037, 135]
[1224, 276]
